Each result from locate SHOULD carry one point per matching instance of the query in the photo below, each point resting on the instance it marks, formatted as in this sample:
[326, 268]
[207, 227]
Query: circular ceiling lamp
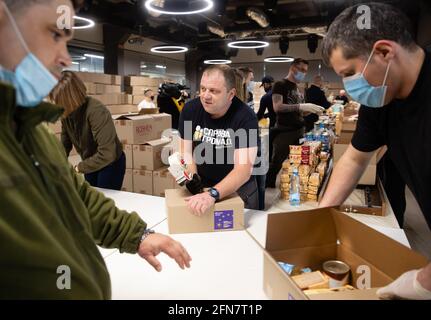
[217, 61]
[152, 7]
[248, 44]
[83, 23]
[169, 49]
[279, 59]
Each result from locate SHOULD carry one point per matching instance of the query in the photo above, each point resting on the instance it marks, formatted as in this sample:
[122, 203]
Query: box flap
[286, 230]
[130, 116]
[158, 142]
[384, 253]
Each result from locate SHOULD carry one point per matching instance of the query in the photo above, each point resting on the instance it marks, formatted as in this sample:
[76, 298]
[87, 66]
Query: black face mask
[152, 98]
[267, 89]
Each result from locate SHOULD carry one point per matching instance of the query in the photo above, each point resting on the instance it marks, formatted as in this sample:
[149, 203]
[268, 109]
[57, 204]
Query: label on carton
[223, 220]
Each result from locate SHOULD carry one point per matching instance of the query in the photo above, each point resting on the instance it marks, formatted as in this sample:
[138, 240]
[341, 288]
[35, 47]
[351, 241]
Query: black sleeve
[247, 134]
[368, 137]
[185, 121]
[65, 140]
[278, 88]
[262, 108]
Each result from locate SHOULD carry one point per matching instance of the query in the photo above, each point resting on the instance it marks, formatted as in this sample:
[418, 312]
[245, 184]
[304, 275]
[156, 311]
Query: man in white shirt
[148, 101]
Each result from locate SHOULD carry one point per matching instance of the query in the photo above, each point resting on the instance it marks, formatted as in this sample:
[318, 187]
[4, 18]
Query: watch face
[214, 193]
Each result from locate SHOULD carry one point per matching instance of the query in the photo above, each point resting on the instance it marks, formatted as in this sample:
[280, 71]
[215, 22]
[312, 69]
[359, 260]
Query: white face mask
[31, 79]
[250, 86]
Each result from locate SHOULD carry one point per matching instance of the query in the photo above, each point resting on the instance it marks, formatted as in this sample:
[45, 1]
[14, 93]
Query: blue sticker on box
[223, 220]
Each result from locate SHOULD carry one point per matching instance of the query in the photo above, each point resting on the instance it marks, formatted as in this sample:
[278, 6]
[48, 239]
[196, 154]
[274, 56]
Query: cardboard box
[97, 88]
[369, 175]
[128, 151]
[143, 181]
[110, 98]
[127, 99]
[138, 129]
[98, 78]
[122, 108]
[345, 137]
[116, 80]
[349, 125]
[162, 181]
[309, 238]
[148, 156]
[226, 215]
[128, 181]
[142, 81]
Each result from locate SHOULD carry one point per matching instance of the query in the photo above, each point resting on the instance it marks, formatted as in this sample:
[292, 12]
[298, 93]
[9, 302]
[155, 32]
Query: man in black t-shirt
[390, 75]
[315, 94]
[342, 97]
[290, 108]
[219, 141]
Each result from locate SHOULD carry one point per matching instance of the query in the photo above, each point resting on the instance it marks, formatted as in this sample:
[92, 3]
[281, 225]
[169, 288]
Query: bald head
[18, 6]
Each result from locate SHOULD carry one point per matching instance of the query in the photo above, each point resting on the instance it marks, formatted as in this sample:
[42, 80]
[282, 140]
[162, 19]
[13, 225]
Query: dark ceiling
[287, 18]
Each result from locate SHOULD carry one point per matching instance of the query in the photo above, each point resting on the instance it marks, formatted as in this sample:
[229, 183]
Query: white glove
[178, 169]
[405, 287]
[311, 107]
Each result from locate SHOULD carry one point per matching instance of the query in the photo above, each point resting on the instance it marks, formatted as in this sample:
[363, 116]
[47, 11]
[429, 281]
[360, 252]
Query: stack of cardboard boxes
[107, 89]
[146, 152]
[135, 87]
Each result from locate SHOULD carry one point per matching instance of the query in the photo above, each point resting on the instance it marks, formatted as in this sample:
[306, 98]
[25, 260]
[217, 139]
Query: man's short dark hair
[228, 74]
[387, 23]
[18, 5]
[298, 61]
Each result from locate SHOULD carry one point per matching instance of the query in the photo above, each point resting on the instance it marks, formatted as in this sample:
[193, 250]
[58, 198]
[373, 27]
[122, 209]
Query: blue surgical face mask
[250, 86]
[31, 79]
[299, 76]
[361, 91]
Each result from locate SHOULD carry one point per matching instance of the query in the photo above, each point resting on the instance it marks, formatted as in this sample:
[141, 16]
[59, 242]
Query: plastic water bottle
[294, 196]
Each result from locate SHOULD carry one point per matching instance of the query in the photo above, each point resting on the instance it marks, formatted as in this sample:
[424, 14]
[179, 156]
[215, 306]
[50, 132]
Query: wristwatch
[214, 193]
[146, 233]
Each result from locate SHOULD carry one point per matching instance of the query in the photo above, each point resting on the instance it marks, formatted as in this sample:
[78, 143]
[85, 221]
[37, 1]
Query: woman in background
[88, 126]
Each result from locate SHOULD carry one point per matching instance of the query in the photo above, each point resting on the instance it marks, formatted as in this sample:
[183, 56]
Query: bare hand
[155, 243]
[200, 203]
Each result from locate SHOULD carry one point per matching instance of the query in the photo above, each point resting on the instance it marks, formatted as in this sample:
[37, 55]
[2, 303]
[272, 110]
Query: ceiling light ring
[278, 59]
[218, 61]
[169, 49]
[237, 44]
[90, 22]
[149, 6]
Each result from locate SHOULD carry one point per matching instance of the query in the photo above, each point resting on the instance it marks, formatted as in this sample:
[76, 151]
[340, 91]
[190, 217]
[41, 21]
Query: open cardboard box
[309, 238]
[225, 215]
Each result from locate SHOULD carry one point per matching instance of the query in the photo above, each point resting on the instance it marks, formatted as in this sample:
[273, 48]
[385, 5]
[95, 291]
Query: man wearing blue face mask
[390, 75]
[290, 107]
[50, 216]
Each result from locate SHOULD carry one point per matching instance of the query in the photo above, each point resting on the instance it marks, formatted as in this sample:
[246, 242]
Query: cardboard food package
[163, 180]
[369, 176]
[141, 81]
[101, 78]
[98, 88]
[226, 215]
[143, 181]
[138, 129]
[122, 108]
[148, 156]
[128, 152]
[309, 238]
[128, 181]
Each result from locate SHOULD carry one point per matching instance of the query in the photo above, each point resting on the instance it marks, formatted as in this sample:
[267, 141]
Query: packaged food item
[311, 197]
[295, 159]
[284, 178]
[314, 179]
[338, 273]
[321, 169]
[319, 291]
[286, 165]
[305, 150]
[324, 156]
[290, 269]
[311, 280]
[304, 170]
[295, 149]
